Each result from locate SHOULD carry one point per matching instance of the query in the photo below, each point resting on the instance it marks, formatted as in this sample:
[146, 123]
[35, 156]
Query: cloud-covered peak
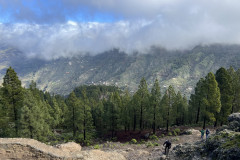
[67, 27]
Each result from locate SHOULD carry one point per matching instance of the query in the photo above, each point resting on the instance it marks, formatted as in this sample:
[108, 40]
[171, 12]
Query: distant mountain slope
[182, 69]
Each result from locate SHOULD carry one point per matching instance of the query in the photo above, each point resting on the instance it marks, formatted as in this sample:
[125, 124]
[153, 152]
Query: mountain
[182, 69]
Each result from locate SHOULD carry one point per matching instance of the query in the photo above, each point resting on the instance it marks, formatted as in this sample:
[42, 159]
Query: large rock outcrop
[223, 145]
[23, 148]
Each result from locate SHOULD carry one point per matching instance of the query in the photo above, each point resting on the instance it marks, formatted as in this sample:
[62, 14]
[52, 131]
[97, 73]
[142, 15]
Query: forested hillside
[181, 69]
[89, 112]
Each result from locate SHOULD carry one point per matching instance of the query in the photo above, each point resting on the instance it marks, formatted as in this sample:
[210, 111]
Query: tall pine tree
[155, 104]
[224, 83]
[13, 97]
[211, 100]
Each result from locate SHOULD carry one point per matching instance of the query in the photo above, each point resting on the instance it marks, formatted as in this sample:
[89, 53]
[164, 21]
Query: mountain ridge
[182, 69]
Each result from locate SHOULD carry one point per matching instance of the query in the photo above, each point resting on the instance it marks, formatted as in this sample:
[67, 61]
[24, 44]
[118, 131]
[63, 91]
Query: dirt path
[146, 152]
[23, 148]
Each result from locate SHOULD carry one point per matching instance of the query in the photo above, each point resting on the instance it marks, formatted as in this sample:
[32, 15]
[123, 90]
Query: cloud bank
[172, 24]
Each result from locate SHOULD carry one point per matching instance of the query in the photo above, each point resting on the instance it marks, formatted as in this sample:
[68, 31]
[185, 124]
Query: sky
[55, 28]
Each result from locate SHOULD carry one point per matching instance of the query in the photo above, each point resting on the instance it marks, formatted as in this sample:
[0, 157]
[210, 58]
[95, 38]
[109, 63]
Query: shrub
[156, 144]
[177, 130]
[170, 133]
[163, 135]
[114, 139]
[97, 146]
[142, 141]
[153, 137]
[175, 133]
[149, 144]
[134, 141]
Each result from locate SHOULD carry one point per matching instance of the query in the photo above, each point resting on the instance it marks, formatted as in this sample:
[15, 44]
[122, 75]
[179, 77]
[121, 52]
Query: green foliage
[175, 133]
[225, 85]
[133, 141]
[155, 144]
[97, 146]
[99, 111]
[150, 144]
[177, 130]
[211, 99]
[12, 94]
[155, 100]
[232, 142]
[153, 137]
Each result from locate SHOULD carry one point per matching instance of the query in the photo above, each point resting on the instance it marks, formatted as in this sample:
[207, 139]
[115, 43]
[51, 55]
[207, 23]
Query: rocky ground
[20, 148]
[222, 145]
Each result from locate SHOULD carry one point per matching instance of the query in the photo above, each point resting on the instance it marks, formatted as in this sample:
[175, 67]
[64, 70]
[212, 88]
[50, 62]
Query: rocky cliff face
[224, 145]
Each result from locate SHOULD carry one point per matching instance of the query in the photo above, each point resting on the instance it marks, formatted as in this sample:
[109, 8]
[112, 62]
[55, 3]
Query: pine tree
[196, 100]
[73, 104]
[56, 113]
[32, 119]
[143, 97]
[125, 110]
[224, 83]
[235, 83]
[155, 104]
[113, 112]
[211, 100]
[86, 119]
[167, 103]
[99, 118]
[13, 97]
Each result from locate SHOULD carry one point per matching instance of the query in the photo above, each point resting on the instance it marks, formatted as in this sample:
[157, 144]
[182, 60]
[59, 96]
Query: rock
[69, 147]
[129, 150]
[234, 122]
[101, 155]
[146, 136]
[163, 157]
[234, 117]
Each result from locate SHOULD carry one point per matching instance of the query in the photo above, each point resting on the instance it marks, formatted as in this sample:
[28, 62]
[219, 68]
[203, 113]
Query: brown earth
[21, 148]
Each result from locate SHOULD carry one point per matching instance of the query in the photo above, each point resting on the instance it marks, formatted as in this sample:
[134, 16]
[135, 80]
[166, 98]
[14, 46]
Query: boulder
[234, 117]
[69, 147]
[234, 122]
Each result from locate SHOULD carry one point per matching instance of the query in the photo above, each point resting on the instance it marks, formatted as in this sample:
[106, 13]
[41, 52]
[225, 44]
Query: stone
[70, 147]
[163, 157]
[234, 117]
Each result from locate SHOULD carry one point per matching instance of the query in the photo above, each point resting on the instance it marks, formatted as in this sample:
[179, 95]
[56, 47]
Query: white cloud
[172, 24]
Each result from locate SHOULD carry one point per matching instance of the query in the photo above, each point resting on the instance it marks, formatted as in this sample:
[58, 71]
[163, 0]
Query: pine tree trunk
[204, 123]
[141, 118]
[154, 119]
[74, 128]
[134, 121]
[84, 123]
[15, 119]
[198, 112]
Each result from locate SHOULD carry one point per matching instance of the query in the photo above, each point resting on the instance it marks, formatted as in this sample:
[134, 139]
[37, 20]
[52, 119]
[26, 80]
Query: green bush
[163, 135]
[133, 141]
[149, 144]
[87, 142]
[114, 139]
[156, 144]
[153, 137]
[175, 133]
[142, 141]
[170, 133]
[177, 130]
[97, 146]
